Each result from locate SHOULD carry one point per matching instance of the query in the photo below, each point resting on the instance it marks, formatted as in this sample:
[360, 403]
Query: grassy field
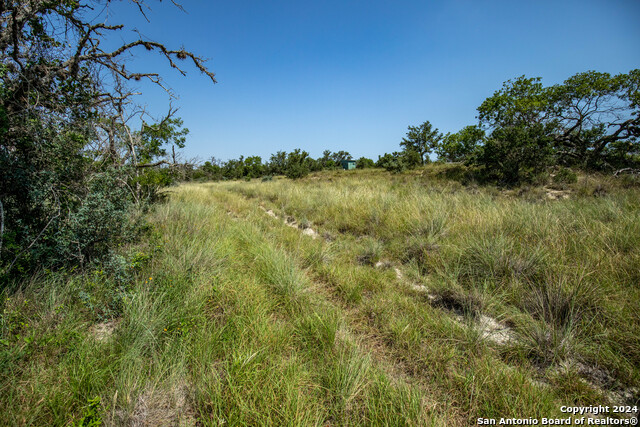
[345, 298]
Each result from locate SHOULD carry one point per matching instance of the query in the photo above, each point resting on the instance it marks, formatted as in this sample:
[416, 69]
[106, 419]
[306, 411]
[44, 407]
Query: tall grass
[230, 316]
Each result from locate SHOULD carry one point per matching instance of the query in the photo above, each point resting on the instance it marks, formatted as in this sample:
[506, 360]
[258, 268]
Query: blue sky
[352, 75]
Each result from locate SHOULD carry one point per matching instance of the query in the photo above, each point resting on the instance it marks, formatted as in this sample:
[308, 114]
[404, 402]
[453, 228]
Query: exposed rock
[383, 264]
[494, 331]
[556, 194]
[291, 222]
[413, 286]
[310, 232]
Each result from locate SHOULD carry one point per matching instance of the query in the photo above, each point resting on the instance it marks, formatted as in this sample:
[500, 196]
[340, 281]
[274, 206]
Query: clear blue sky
[352, 75]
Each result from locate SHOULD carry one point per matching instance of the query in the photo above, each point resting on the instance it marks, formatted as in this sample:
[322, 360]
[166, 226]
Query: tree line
[589, 122]
[295, 164]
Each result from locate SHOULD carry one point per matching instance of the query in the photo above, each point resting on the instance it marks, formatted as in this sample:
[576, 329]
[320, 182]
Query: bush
[399, 161]
[565, 176]
[295, 171]
[515, 154]
[67, 219]
[364, 163]
[100, 223]
[458, 147]
[149, 182]
[297, 164]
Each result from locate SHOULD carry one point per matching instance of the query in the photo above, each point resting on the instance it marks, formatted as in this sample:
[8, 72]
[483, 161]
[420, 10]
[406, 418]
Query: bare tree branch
[153, 165]
[627, 170]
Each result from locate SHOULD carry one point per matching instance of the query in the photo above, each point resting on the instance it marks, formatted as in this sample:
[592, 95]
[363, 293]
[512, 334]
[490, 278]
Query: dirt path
[357, 333]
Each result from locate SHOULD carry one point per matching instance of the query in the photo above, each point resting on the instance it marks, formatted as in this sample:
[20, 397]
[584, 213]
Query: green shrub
[565, 176]
[100, 223]
[399, 161]
[149, 182]
[364, 163]
[515, 154]
[297, 164]
[296, 171]
[456, 172]
[57, 228]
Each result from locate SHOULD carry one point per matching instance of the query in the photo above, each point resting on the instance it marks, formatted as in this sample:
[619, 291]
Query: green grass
[228, 315]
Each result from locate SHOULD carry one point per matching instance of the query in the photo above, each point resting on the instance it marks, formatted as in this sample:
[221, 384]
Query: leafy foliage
[154, 137]
[364, 163]
[460, 146]
[298, 164]
[590, 121]
[295, 164]
[516, 154]
[92, 416]
[399, 161]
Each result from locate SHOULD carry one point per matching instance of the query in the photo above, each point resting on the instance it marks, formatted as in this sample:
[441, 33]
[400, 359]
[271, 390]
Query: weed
[91, 416]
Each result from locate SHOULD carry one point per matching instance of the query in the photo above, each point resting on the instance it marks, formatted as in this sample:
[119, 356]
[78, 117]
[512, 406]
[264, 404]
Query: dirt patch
[291, 222]
[328, 236]
[458, 302]
[104, 331]
[489, 327]
[162, 407]
[423, 290]
[600, 380]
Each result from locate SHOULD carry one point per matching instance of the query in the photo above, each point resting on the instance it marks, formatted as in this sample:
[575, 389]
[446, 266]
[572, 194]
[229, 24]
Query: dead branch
[631, 171]
[153, 165]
